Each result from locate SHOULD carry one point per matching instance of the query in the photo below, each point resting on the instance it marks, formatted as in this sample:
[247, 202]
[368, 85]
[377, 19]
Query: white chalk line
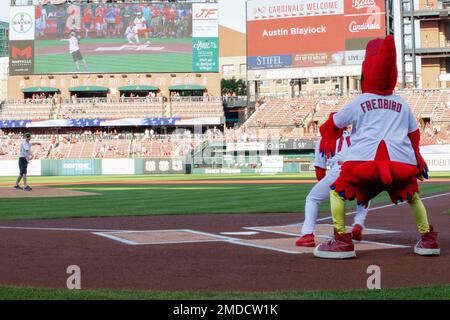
[219, 238]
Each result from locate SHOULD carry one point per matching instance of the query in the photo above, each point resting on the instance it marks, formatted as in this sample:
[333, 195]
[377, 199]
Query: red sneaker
[357, 232]
[306, 241]
[428, 245]
[340, 247]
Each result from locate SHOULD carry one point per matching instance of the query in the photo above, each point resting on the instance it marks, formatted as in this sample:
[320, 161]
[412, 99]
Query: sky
[4, 10]
[231, 13]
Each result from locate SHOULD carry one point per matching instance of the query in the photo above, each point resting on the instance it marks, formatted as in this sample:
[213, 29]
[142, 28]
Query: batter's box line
[242, 242]
[321, 224]
[110, 235]
[219, 238]
[261, 229]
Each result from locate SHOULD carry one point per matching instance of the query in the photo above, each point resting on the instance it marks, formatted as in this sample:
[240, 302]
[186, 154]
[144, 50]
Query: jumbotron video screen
[114, 38]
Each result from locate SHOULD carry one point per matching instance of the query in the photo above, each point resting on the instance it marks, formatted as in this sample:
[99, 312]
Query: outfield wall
[139, 166]
[90, 167]
[437, 158]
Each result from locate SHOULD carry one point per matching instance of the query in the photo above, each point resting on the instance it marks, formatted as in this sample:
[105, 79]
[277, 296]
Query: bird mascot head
[379, 69]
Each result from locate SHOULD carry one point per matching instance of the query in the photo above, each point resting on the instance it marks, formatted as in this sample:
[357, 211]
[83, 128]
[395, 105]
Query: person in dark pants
[60, 22]
[24, 159]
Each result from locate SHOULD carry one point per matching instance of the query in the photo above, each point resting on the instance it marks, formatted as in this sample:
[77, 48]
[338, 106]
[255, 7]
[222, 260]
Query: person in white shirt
[321, 192]
[132, 34]
[24, 159]
[75, 51]
[141, 25]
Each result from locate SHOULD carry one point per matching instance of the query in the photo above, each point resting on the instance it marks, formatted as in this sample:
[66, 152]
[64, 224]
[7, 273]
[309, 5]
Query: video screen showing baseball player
[321, 192]
[163, 33]
[75, 51]
[384, 154]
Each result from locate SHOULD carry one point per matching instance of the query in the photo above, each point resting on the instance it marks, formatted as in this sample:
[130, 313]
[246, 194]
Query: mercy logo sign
[22, 22]
[21, 57]
[25, 53]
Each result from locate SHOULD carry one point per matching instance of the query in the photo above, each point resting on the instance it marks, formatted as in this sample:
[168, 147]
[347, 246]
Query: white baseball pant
[321, 192]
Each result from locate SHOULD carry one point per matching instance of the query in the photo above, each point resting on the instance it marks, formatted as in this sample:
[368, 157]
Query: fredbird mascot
[384, 155]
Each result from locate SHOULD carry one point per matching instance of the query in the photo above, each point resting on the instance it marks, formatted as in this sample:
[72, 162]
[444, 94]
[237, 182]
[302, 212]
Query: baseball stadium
[165, 150]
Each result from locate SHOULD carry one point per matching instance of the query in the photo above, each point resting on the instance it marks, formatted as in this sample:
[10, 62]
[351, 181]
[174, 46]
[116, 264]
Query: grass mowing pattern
[176, 177]
[422, 293]
[127, 200]
[172, 177]
[107, 63]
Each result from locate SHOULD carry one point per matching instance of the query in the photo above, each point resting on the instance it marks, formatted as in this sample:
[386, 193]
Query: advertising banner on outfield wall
[71, 167]
[437, 162]
[437, 157]
[163, 166]
[10, 168]
[117, 166]
[283, 34]
[272, 164]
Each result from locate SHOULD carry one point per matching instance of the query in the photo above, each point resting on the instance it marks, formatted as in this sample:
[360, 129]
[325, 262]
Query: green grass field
[120, 199]
[107, 63]
[140, 199]
[415, 293]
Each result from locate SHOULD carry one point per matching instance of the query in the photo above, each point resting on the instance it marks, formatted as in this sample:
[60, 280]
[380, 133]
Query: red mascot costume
[384, 155]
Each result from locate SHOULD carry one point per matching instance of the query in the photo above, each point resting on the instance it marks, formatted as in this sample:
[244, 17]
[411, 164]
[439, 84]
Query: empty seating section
[111, 109]
[433, 104]
[277, 112]
[103, 108]
[25, 111]
[196, 109]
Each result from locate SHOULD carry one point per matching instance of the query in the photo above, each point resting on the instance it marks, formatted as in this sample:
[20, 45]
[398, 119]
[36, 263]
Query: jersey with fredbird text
[374, 118]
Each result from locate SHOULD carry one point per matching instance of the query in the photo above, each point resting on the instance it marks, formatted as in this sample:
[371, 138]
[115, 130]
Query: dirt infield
[42, 192]
[192, 253]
